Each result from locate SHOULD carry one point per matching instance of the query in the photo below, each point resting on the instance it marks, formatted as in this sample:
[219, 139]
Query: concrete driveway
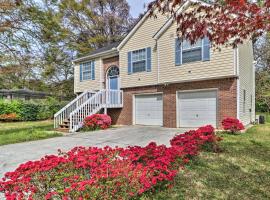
[13, 155]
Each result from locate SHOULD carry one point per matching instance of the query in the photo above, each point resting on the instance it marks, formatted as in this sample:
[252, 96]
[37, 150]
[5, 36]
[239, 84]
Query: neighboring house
[22, 94]
[157, 80]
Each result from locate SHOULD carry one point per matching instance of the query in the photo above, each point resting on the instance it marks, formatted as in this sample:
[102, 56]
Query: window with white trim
[87, 71]
[139, 60]
[191, 53]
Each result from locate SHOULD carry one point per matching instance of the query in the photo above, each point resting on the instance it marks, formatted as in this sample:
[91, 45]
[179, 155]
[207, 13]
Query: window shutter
[149, 59]
[206, 49]
[178, 52]
[81, 74]
[93, 70]
[129, 63]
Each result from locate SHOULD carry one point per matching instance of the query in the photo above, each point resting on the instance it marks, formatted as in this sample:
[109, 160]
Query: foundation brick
[227, 100]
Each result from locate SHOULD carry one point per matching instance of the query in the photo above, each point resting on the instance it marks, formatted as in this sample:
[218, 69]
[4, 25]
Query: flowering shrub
[97, 121]
[110, 173]
[195, 140]
[8, 117]
[232, 125]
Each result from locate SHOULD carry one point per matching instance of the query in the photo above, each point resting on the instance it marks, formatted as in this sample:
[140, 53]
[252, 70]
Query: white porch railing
[64, 113]
[102, 99]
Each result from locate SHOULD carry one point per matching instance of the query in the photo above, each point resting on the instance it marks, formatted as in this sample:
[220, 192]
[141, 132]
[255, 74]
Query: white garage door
[149, 110]
[197, 109]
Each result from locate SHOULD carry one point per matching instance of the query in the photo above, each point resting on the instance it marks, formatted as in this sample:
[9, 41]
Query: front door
[113, 85]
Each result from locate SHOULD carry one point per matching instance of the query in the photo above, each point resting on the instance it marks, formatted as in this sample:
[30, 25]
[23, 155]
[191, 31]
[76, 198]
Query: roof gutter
[101, 54]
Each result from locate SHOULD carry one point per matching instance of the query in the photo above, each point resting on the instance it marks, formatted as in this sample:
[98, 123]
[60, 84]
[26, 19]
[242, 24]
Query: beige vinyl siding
[221, 63]
[81, 86]
[247, 83]
[142, 38]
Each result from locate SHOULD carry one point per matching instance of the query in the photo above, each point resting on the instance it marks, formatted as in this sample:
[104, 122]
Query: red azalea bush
[107, 173]
[97, 121]
[233, 125]
[195, 140]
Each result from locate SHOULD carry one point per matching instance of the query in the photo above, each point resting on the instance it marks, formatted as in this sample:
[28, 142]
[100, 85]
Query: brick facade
[227, 100]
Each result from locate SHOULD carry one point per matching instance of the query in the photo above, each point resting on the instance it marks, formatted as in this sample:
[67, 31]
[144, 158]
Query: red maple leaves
[230, 22]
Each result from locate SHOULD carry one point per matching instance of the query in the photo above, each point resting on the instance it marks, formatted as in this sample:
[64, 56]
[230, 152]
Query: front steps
[64, 127]
[71, 117]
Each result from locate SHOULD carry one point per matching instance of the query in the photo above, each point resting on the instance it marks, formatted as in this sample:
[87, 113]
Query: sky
[137, 6]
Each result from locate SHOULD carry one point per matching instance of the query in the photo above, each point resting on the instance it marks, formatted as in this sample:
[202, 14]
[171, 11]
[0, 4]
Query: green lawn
[242, 171]
[16, 132]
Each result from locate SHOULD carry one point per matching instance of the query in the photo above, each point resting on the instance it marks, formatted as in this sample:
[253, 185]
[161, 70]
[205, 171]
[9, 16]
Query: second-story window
[139, 60]
[185, 52]
[191, 53]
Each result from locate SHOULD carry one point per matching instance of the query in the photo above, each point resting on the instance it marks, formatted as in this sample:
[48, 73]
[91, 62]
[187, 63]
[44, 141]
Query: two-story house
[152, 78]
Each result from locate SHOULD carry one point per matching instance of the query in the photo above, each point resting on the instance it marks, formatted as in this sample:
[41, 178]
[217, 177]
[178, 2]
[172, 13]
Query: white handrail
[64, 113]
[100, 100]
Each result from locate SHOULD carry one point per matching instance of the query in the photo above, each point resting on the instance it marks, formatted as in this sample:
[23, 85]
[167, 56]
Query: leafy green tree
[262, 57]
[39, 39]
[94, 23]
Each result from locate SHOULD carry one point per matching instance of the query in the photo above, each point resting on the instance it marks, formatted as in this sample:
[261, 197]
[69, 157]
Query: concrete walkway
[13, 155]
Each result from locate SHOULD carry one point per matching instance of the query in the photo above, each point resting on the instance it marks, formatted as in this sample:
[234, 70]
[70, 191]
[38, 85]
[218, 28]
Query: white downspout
[158, 65]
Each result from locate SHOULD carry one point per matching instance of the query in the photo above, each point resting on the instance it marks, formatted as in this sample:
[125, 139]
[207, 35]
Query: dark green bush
[32, 110]
[29, 111]
[261, 107]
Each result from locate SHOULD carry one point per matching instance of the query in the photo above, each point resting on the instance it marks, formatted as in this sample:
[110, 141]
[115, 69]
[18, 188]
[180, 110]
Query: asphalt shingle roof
[103, 49]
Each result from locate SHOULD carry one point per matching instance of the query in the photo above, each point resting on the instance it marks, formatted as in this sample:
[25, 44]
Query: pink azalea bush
[97, 121]
[233, 125]
[110, 173]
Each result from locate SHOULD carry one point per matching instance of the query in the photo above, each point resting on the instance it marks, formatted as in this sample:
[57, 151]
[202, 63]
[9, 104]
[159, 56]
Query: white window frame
[145, 60]
[86, 71]
[190, 49]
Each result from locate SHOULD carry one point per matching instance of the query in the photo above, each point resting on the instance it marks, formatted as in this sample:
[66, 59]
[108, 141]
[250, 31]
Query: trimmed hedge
[30, 110]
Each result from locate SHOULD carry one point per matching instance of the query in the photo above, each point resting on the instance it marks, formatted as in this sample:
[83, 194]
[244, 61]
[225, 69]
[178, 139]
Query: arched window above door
[113, 71]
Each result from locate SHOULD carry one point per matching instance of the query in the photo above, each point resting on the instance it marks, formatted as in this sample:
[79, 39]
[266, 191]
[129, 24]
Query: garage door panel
[149, 109]
[199, 104]
[199, 115]
[196, 95]
[197, 108]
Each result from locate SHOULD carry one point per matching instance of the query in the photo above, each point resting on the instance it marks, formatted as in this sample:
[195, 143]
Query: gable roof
[142, 20]
[116, 46]
[133, 30]
[171, 20]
